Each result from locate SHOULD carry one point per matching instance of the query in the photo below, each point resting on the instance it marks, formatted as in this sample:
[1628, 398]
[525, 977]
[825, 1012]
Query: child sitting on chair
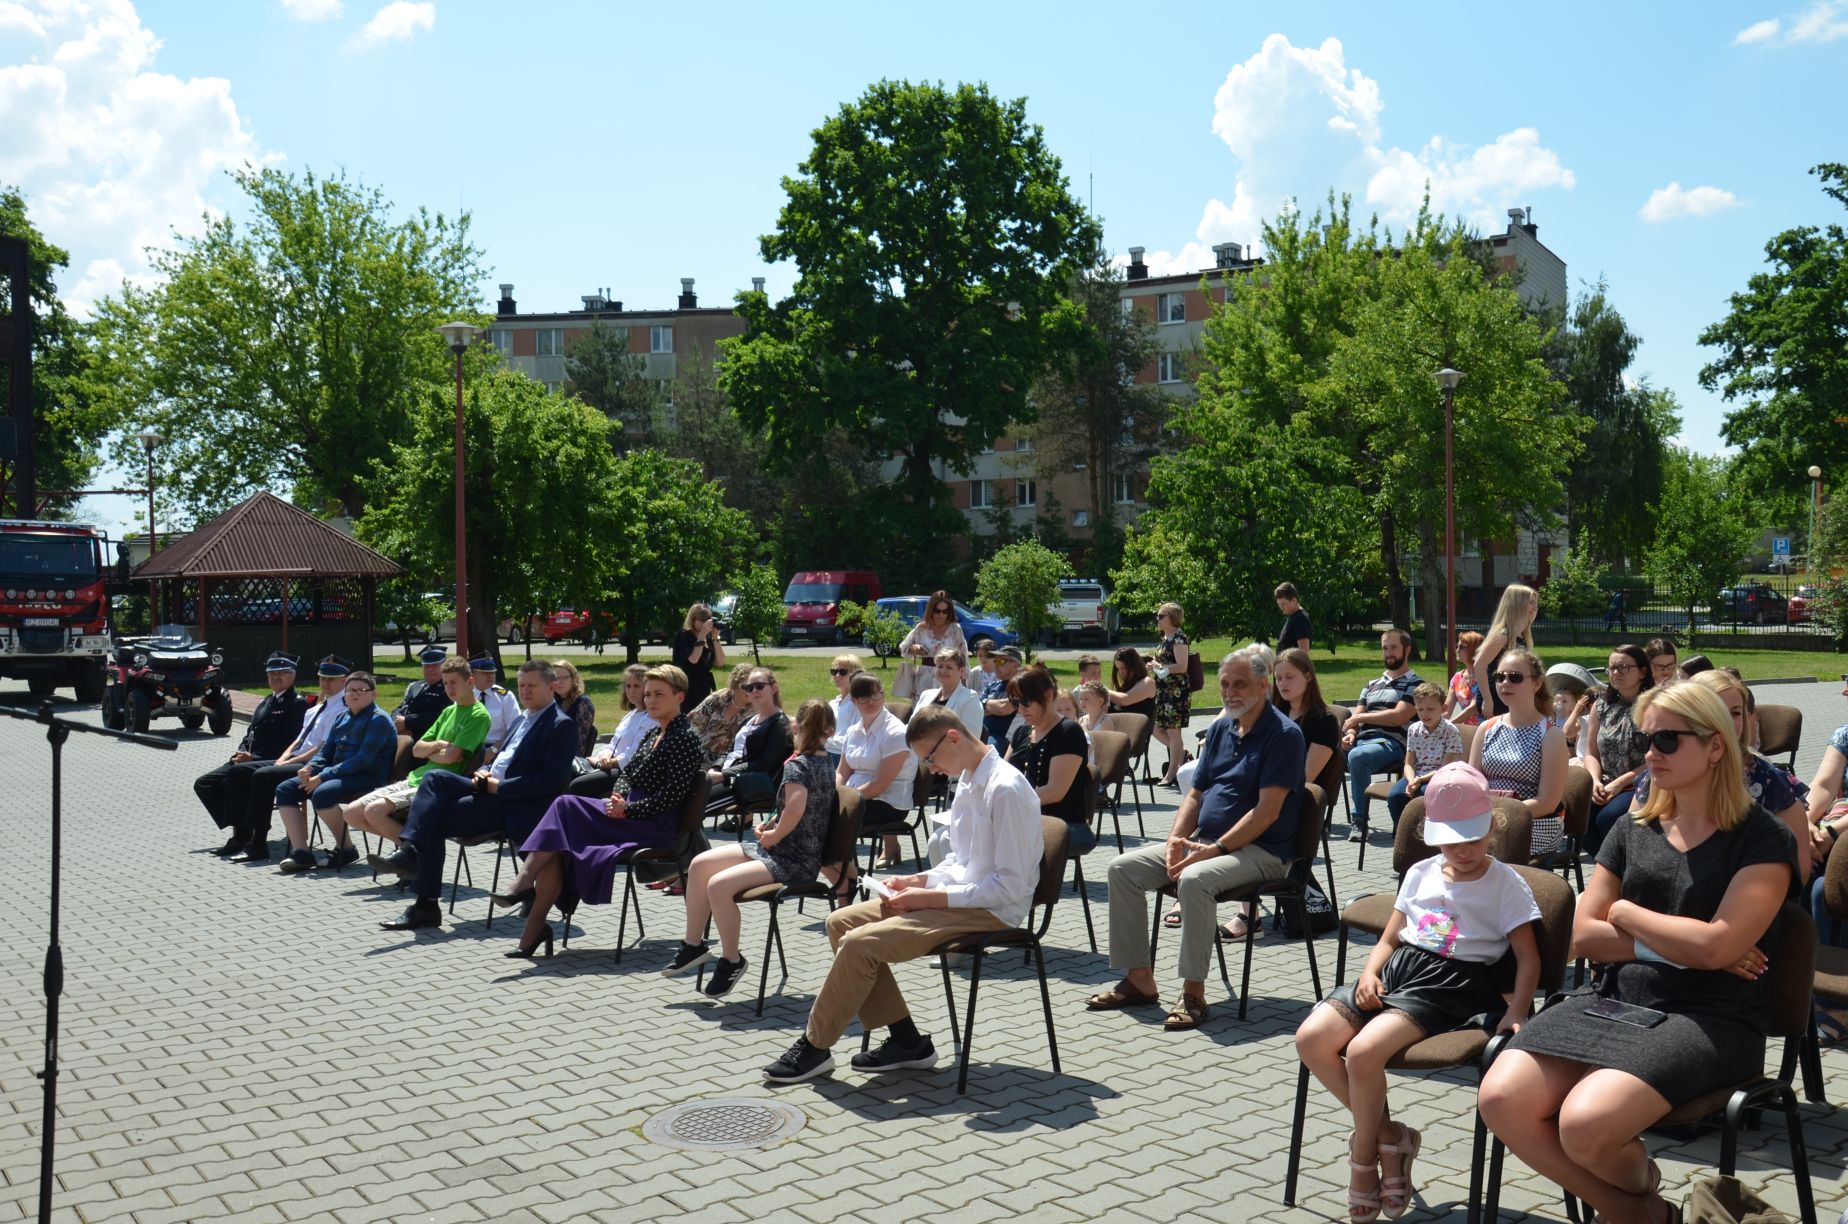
[1459, 936]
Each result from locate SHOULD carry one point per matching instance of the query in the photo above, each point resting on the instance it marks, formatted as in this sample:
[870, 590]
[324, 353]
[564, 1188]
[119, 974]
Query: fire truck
[54, 610]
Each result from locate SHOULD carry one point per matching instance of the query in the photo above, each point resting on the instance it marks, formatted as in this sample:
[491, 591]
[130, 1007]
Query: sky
[622, 146]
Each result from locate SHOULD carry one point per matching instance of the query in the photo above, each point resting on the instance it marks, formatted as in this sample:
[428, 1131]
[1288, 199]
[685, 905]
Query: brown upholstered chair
[1464, 1047]
[1140, 729]
[901, 709]
[1570, 855]
[1112, 748]
[1780, 728]
[1831, 984]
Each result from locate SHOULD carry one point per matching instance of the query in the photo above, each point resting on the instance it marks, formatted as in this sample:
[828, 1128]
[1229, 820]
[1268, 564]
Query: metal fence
[1772, 611]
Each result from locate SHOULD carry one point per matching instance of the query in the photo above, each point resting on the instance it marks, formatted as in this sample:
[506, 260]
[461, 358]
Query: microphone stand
[57, 731]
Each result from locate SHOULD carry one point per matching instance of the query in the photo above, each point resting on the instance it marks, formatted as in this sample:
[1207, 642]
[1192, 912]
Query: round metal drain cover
[724, 1125]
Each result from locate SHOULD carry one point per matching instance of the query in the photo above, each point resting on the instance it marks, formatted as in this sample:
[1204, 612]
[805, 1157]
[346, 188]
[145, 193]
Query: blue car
[975, 625]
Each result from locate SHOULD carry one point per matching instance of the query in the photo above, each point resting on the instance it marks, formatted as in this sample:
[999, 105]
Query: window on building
[503, 341]
[549, 341]
[661, 339]
[1122, 489]
[1129, 307]
[1128, 436]
[981, 494]
[1171, 308]
[1026, 492]
[1023, 444]
[1168, 367]
[1081, 518]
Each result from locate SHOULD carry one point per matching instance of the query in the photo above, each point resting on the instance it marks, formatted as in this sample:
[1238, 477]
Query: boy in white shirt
[1431, 742]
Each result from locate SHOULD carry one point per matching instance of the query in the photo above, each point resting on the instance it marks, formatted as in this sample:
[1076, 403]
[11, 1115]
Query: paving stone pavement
[243, 1046]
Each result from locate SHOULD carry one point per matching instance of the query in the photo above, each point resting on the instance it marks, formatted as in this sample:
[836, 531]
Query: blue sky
[626, 146]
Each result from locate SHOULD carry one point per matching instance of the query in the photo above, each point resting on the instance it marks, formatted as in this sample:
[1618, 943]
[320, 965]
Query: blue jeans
[1366, 758]
[1605, 819]
[1830, 932]
[1396, 802]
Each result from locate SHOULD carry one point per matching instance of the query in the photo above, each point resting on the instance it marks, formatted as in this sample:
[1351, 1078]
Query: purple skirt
[593, 844]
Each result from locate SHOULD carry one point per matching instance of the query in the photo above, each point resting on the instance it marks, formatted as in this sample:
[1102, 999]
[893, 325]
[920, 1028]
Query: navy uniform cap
[280, 662]
[482, 663]
[432, 654]
[334, 665]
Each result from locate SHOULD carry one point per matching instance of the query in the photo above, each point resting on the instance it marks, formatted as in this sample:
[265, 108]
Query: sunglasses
[1669, 742]
[944, 611]
[840, 671]
[1511, 677]
[755, 686]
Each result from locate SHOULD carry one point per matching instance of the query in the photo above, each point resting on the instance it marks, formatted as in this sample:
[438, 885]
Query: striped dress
[1511, 761]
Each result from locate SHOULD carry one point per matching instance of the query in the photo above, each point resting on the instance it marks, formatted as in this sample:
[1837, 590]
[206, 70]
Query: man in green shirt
[449, 745]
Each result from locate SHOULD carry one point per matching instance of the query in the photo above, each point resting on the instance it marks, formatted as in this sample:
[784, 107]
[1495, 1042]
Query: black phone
[1626, 1013]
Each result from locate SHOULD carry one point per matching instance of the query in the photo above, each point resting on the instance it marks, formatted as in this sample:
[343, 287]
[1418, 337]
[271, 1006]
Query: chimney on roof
[1137, 269]
[593, 302]
[1533, 231]
[757, 284]
[1516, 218]
[507, 306]
[1227, 254]
[688, 300]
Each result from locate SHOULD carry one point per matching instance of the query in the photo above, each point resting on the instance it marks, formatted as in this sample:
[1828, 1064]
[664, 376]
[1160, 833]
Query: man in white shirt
[985, 883]
[501, 705]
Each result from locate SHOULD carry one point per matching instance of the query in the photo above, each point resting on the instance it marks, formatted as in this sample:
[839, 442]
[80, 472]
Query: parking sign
[1780, 546]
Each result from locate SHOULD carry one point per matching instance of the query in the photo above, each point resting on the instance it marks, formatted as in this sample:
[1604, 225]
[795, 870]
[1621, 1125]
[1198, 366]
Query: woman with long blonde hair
[1512, 629]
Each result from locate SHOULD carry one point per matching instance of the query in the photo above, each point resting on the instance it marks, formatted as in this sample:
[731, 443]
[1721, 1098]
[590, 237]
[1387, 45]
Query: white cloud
[1301, 121]
[398, 21]
[1671, 203]
[1821, 22]
[111, 155]
[312, 10]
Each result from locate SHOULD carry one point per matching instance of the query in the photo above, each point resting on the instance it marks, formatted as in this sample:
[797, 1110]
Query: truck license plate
[1071, 624]
[41, 622]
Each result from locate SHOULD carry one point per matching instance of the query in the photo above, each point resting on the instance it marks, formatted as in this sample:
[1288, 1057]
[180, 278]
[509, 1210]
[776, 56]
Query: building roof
[265, 537]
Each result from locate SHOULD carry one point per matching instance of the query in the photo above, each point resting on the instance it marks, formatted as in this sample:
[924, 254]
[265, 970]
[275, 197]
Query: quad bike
[166, 673]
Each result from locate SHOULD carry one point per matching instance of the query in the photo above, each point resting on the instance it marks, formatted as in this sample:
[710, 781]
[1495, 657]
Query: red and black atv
[166, 673]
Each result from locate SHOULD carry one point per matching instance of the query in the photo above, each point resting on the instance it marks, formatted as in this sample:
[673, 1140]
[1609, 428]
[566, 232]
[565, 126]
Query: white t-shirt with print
[1469, 920]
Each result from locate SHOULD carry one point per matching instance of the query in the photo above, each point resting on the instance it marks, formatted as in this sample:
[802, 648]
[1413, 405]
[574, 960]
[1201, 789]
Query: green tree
[758, 614]
[294, 348]
[879, 629]
[1572, 590]
[933, 233]
[601, 371]
[1781, 352]
[70, 421]
[1021, 582]
[548, 523]
[1701, 538]
[405, 602]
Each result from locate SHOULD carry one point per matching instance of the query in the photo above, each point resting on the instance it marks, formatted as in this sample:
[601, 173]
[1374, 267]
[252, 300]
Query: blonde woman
[1172, 700]
[843, 669]
[697, 650]
[568, 691]
[608, 761]
[1677, 914]
[1512, 629]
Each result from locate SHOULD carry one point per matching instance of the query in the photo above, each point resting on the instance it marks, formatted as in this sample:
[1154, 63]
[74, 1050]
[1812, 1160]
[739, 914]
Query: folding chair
[692, 816]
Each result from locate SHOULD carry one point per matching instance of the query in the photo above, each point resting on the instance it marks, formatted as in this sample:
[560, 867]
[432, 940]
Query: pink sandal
[1396, 1192]
[1362, 1207]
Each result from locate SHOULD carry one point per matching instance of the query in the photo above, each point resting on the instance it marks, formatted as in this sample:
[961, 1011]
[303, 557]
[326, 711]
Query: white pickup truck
[1084, 611]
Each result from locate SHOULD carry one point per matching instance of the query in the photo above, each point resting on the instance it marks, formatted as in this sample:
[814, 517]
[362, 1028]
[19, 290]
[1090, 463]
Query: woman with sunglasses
[842, 670]
[716, 720]
[1522, 752]
[936, 631]
[1613, 746]
[1676, 917]
[748, 775]
[876, 762]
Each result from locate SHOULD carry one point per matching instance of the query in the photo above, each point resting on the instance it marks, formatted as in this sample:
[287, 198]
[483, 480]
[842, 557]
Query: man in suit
[273, 727]
[508, 796]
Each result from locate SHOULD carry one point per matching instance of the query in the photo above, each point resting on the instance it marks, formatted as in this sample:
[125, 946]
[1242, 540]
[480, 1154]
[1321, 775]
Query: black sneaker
[341, 856]
[725, 975]
[800, 1061]
[894, 1056]
[1357, 833]
[298, 862]
[233, 845]
[690, 956]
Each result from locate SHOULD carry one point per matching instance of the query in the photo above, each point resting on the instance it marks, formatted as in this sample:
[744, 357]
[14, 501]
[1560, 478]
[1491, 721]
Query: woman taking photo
[1172, 699]
[1521, 752]
[1613, 746]
[1676, 916]
[1510, 630]
[607, 762]
[568, 690]
[936, 631]
[751, 769]
[697, 650]
[876, 762]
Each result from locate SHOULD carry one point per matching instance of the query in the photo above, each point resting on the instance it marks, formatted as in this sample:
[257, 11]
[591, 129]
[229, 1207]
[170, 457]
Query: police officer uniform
[424, 700]
[502, 706]
[274, 726]
[251, 808]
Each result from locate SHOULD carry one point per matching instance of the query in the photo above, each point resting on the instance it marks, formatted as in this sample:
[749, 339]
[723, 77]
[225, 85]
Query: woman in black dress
[1051, 751]
[697, 650]
[1676, 917]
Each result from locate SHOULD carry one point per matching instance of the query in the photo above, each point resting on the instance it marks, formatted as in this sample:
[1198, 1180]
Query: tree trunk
[1431, 576]
[1398, 610]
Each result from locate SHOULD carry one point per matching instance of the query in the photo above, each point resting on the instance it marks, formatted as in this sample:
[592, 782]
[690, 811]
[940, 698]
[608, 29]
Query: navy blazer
[541, 766]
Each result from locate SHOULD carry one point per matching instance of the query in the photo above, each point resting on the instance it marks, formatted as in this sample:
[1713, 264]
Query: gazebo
[264, 576]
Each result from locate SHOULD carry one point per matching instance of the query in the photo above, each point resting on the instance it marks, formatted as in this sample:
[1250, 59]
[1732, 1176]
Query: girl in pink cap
[1460, 945]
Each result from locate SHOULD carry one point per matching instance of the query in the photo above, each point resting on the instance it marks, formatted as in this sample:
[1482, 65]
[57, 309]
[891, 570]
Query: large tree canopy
[933, 233]
[291, 350]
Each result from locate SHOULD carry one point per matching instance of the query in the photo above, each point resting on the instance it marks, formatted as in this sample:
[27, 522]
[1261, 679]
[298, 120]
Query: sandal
[1172, 918]
[1186, 1014]
[1396, 1192]
[1120, 995]
[1362, 1207]
[1831, 1026]
[1234, 931]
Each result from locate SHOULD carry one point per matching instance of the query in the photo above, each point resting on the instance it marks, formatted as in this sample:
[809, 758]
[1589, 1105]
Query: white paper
[878, 888]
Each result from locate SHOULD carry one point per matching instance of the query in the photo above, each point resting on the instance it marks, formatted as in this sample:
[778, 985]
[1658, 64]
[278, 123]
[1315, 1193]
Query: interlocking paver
[243, 1046]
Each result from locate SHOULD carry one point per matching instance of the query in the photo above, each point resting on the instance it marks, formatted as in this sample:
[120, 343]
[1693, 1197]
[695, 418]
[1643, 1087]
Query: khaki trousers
[866, 941]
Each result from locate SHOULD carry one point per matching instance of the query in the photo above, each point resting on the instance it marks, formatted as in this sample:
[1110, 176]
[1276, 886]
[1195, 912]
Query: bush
[1573, 589]
[880, 629]
[1021, 582]
[758, 614]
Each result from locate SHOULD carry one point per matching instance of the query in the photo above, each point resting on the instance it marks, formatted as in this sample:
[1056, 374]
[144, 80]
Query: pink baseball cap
[1458, 806]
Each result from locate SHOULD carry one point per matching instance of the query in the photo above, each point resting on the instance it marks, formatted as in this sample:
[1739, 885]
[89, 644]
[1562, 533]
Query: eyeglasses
[926, 760]
[944, 611]
[840, 671]
[755, 686]
[359, 688]
[1669, 742]
[1622, 669]
[1511, 677]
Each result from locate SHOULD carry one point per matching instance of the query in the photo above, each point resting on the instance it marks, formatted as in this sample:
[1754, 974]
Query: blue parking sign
[1780, 546]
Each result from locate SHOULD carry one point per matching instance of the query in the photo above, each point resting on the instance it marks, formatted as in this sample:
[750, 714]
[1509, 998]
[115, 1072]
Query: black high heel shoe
[545, 939]
[509, 900]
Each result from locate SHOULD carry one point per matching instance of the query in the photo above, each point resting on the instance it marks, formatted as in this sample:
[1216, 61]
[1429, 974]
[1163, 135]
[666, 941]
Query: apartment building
[536, 344]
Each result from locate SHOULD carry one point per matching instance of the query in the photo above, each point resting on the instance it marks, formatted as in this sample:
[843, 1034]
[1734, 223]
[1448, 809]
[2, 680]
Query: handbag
[905, 684]
[1321, 914]
[1726, 1200]
[1196, 672]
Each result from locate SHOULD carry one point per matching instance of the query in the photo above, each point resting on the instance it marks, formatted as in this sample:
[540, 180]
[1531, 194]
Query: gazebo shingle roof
[266, 537]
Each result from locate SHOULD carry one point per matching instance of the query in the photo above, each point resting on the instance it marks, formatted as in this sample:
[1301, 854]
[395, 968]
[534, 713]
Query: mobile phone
[1626, 1013]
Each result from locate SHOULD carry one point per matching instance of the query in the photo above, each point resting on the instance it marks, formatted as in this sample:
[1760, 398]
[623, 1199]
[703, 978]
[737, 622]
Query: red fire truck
[54, 611]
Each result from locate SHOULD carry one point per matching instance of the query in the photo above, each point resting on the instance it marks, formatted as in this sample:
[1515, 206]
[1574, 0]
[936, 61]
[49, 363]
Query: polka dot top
[663, 770]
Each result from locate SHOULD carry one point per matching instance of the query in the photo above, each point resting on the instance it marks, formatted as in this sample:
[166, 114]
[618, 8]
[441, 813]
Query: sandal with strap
[1396, 1192]
[1234, 931]
[1186, 1014]
[1120, 995]
[1362, 1207]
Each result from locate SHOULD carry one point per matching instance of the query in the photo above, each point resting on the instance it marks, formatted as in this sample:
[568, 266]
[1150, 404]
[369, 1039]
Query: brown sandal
[1120, 995]
[1186, 1014]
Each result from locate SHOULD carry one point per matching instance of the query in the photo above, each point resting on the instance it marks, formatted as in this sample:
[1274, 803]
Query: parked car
[976, 626]
[1750, 603]
[812, 603]
[569, 623]
[1084, 611]
[722, 609]
[1801, 608]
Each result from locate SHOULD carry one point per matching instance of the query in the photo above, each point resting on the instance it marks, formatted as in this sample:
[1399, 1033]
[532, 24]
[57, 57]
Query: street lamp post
[150, 440]
[460, 336]
[1448, 379]
[1815, 475]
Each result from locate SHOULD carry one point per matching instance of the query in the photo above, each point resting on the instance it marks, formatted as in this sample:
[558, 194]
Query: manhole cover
[724, 1125]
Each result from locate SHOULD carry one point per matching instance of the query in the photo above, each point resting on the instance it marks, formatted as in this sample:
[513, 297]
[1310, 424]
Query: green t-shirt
[464, 726]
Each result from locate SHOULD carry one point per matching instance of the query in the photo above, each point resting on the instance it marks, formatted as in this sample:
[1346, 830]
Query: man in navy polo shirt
[1236, 826]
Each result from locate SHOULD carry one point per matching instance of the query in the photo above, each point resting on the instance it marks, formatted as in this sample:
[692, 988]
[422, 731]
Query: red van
[812, 604]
